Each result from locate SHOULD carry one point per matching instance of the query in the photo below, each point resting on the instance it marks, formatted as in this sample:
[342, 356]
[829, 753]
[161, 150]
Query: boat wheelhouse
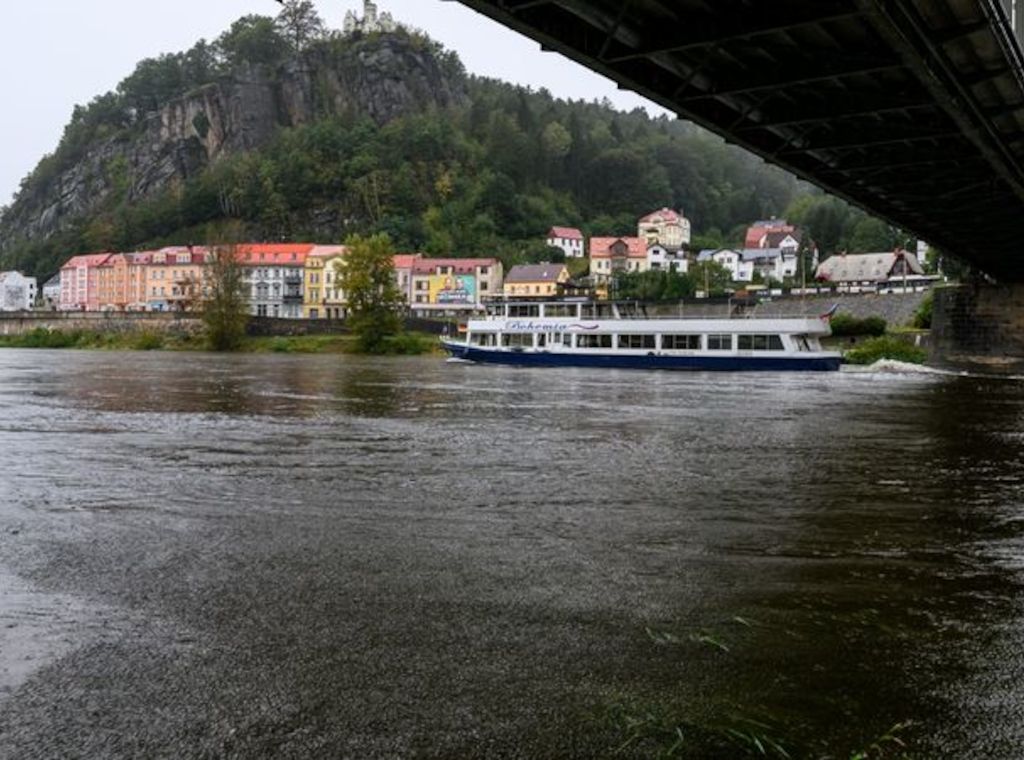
[622, 335]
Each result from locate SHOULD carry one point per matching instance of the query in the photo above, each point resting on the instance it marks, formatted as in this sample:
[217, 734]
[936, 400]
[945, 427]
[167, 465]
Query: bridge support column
[979, 327]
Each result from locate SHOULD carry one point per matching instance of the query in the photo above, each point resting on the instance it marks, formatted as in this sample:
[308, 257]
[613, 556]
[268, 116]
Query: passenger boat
[619, 335]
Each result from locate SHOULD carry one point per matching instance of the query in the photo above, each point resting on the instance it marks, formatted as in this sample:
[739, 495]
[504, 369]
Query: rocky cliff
[381, 77]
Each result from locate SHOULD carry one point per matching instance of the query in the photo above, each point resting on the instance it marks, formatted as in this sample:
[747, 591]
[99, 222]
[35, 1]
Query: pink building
[79, 282]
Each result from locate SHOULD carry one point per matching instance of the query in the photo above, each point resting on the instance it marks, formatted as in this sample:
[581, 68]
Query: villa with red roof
[609, 255]
[568, 239]
[664, 227]
[771, 233]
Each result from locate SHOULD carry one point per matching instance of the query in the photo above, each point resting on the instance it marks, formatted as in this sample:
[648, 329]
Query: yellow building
[322, 296]
[535, 280]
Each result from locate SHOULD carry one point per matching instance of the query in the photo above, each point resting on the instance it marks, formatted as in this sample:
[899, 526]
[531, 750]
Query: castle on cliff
[371, 21]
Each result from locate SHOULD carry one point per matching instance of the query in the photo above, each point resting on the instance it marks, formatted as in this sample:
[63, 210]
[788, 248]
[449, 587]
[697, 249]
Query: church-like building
[371, 20]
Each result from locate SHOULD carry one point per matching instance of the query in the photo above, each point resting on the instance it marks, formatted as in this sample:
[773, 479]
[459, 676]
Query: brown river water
[283, 556]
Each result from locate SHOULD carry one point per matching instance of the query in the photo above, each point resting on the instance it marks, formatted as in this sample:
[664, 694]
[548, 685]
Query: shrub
[408, 344]
[845, 325]
[885, 347]
[148, 341]
[923, 315]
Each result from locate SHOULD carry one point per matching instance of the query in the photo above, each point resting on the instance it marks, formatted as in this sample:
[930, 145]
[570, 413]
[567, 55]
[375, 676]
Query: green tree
[374, 301]
[252, 39]
[300, 24]
[224, 308]
[711, 277]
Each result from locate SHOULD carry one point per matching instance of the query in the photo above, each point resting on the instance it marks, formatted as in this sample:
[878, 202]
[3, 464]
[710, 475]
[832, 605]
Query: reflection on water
[534, 558]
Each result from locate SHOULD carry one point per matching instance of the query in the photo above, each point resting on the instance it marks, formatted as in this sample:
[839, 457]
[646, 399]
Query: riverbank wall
[22, 322]
[979, 327]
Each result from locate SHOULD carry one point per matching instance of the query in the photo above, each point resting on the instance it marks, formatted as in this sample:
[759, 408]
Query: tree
[252, 39]
[224, 308]
[711, 277]
[367, 277]
[300, 24]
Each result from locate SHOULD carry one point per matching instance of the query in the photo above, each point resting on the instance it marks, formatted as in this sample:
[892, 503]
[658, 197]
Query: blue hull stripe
[632, 361]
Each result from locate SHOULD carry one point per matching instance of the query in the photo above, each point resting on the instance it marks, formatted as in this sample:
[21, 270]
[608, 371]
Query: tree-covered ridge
[488, 177]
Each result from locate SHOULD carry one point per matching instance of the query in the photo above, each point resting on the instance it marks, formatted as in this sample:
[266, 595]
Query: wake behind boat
[620, 335]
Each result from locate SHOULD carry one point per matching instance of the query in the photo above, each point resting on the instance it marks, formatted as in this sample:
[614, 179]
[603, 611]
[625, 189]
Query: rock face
[380, 77]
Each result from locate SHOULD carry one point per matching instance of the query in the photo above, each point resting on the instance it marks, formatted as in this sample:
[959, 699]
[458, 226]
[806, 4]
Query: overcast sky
[56, 53]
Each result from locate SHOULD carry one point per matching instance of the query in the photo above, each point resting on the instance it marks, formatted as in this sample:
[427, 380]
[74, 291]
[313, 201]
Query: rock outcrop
[381, 77]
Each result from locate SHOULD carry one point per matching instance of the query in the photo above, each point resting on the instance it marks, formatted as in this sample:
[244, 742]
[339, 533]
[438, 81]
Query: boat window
[719, 343]
[517, 340]
[680, 342]
[560, 310]
[483, 339]
[594, 341]
[759, 343]
[802, 344]
[596, 311]
[524, 310]
[636, 341]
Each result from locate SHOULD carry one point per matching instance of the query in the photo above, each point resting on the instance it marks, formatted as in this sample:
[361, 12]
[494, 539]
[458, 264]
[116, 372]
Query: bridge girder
[861, 97]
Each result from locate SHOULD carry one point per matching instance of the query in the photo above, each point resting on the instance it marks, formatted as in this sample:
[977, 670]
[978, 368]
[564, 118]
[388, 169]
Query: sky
[58, 53]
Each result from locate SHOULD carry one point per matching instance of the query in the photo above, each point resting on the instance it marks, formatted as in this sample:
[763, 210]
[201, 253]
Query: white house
[740, 269]
[661, 258]
[569, 239]
[17, 292]
[777, 263]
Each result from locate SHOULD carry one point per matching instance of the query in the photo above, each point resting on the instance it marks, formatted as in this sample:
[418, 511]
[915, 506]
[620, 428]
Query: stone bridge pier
[979, 328]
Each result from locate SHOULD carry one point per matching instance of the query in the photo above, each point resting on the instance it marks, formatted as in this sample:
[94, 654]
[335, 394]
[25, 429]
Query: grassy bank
[407, 344]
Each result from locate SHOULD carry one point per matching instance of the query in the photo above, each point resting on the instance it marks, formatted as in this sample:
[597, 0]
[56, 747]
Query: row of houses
[284, 280]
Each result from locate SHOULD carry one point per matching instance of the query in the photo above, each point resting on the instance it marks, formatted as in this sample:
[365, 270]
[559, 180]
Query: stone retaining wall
[20, 322]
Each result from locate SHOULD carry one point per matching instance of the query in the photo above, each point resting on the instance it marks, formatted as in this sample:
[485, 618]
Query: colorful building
[273, 275]
[536, 280]
[323, 297]
[452, 286]
[78, 282]
[610, 256]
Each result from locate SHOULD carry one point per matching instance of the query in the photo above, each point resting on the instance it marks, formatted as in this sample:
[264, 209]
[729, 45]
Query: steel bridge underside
[911, 109]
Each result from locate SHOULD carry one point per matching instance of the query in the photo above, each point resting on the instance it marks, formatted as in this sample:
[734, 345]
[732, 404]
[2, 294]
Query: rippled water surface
[280, 556]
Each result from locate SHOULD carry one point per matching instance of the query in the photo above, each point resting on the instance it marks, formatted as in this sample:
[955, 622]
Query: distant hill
[359, 133]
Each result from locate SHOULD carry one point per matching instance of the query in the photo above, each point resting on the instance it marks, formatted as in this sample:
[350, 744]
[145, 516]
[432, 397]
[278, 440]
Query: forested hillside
[304, 134]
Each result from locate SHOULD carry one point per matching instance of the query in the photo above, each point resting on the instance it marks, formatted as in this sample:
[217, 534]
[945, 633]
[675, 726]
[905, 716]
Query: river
[287, 556]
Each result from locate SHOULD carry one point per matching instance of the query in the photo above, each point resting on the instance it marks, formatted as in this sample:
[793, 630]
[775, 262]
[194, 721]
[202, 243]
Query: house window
[314, 314]
[719, 343]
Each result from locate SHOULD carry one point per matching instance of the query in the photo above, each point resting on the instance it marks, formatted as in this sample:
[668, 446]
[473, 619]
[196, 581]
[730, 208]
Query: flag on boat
[830, 313]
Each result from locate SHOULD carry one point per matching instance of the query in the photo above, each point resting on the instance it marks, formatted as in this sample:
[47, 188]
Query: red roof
[569, 233]
[600, 247]
[257, 254]
[87, 260]
[406, 260]
[666, 215]
[759, 230]
[461, 266]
